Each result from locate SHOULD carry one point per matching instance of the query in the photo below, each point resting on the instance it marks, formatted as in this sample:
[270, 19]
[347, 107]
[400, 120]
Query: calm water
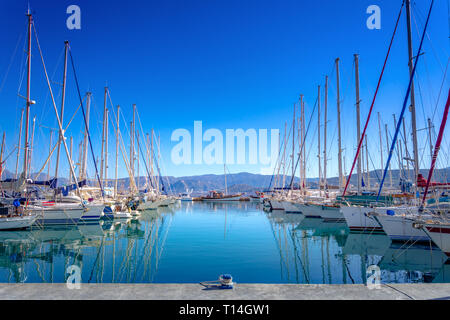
[193, 242]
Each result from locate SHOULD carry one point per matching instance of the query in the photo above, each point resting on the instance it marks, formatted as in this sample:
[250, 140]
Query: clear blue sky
[232, 64]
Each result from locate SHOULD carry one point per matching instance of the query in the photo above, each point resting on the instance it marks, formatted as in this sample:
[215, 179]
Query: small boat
[220, 196]
[185, 197]
[115, 212]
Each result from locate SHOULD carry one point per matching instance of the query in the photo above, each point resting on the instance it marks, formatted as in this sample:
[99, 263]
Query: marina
[192, 242]
[352, 191]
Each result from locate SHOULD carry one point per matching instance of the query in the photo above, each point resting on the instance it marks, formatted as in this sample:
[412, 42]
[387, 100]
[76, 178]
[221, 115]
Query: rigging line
[420, 17]
[11, 60]
[278, 162]
[85, 123]
[405, 101]
[145, 162]
[303, 143]
[373, 100]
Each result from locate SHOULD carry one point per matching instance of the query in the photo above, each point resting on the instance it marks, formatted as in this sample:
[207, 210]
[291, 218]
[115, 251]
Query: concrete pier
[240, 292]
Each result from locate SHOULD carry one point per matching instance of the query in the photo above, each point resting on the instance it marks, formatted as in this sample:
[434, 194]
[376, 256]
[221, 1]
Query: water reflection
[192, 242]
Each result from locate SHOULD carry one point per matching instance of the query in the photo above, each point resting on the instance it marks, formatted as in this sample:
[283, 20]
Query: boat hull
[16, 223]
[400, 228]
[358, 220]
[58, 215]
[440, 234]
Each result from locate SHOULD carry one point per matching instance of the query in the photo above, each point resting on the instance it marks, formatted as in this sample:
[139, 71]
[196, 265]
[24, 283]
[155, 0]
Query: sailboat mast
[117, 152]
[303, 149]
[387, 147]
[318, 137]
[85, 143]
[339, 124]
[358, 120]
[367, 165]
[430, 126]
[71, 161]
[412, 107]
[381, 141]
[1, 156]
[325, 138]
[105, 177]
[151, 158]
[19, 143]
[293, 147]
[28, 103]
[225, 173]
[102, 154]
[31, 142]
[63, 98]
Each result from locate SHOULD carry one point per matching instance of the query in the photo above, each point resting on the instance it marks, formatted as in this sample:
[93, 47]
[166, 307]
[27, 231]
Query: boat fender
[390, 212]
[16, 203]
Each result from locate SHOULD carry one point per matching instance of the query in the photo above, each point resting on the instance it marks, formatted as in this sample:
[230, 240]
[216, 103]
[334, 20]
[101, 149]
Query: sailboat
[222, 196]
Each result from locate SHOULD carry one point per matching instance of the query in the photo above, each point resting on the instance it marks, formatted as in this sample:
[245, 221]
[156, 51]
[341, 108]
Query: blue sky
[231, 64]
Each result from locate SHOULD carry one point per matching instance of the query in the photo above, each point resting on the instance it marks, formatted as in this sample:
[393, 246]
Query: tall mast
[325, 138]
[18, 145]
[63, 98]
[225, 173]
[318, 137]
[1, 156]
[412, 107]
[293, 147]
[381, 141]
[29, 102]
[303, 149]
[399, 149]
[85, 144]
[138, 156]
[31, 143]
[387, 147]
[105, 177]
[117, 152]
[358, 121]
[102, 154]
[71, 161]
[406, 149]
[151, 158]
[150, 182]
[339, 124]
[367, 165]
[49, 153]
[430, 126]
[133, 135]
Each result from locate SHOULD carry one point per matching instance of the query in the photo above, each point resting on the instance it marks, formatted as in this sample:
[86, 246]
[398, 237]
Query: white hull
[92, 213]
[290, 207]
[276, 205]
[327, 213]
[58, 214]
[12, 223]
[400, 228]
[358, 221]
[440, 234]
[149, 205]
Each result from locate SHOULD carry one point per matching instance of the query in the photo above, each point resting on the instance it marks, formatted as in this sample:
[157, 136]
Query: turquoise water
[193, 242]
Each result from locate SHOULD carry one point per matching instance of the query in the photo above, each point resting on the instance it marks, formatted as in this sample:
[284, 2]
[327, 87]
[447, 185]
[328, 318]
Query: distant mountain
[249, 182]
